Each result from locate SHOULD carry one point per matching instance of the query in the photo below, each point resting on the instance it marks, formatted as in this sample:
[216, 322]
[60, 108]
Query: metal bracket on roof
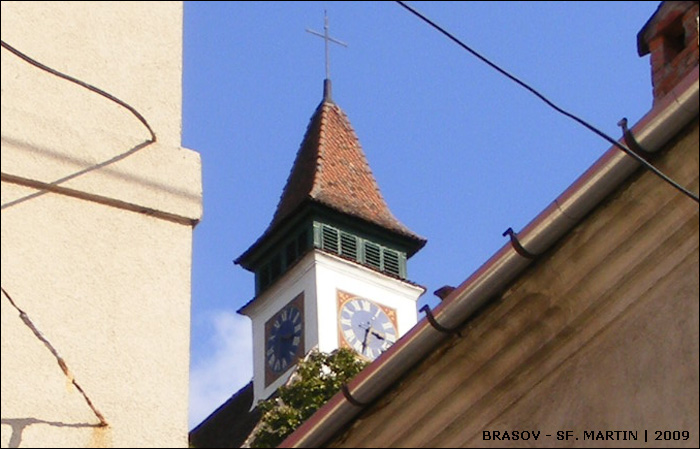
[348, 396]
[439, 327]
[629, 139]
[517, 246]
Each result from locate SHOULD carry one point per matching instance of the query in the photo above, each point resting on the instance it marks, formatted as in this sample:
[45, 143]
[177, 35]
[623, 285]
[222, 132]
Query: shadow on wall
[45, 188]
[18, 426]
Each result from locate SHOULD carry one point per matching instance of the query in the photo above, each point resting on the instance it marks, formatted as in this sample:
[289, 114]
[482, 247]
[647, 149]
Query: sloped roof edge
[655, 129]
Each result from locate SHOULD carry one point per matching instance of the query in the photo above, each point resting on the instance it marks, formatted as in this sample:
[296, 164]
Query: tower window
[329, 240]
[275, 267]
[373, 255]
[303, 242]
[263, 277]
[358, 249]
[291, 252]
[391, 262]
[285, 257]
[348, 245]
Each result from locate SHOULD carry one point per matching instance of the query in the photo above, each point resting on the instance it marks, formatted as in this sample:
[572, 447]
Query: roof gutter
[652, 132]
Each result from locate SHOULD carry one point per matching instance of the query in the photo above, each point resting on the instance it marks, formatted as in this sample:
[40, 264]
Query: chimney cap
[663, 17]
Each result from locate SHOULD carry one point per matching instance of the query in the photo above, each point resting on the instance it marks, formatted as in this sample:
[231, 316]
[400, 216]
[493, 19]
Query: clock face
[284, 339]
[365, 326]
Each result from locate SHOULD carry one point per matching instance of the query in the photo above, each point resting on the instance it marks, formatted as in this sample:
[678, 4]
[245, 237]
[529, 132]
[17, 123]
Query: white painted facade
[319, 276]
[96, 226]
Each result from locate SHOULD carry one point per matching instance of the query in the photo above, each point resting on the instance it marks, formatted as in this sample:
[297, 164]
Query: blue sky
[460, 152]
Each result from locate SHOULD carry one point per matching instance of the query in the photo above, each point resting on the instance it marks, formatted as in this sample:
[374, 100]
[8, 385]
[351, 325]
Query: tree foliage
[316, 380]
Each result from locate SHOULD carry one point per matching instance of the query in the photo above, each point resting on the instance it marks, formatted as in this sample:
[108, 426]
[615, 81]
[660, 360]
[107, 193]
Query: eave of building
[312, 209]
[668, 116]
[258, 300]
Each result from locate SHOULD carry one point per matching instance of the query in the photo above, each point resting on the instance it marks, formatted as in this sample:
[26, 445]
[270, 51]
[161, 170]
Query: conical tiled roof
[331, 169]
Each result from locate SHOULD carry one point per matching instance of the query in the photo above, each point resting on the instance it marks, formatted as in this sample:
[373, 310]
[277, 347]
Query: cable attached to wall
[549, 103]
[61, 362]
[87, 86]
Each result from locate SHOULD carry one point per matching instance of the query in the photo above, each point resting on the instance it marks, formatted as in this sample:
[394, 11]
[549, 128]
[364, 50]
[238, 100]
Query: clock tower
[330, 269]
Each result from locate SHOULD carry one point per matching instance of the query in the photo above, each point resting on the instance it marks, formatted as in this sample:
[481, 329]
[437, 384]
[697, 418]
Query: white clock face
[367, 327]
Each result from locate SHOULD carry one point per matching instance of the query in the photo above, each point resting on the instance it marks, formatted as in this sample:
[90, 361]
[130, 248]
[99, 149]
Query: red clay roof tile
[331, 169]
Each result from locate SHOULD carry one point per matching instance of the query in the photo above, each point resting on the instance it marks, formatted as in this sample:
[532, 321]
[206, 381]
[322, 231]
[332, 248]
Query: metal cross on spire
[327, 38]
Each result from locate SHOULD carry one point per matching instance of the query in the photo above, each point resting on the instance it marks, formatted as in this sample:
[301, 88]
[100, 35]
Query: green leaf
[319, 377]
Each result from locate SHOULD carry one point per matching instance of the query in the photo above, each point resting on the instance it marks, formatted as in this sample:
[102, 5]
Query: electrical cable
[90, 87]
[61, 362]
[582, 122]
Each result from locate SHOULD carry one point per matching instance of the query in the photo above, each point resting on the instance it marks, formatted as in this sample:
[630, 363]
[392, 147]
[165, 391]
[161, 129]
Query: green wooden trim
[352, 238]
[282, 256]
[363, 250]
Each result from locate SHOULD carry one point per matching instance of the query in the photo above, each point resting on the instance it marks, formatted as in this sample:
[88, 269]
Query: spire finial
[327, 38]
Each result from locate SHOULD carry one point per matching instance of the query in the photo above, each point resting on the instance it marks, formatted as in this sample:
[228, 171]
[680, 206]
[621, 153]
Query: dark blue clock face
[284, 338]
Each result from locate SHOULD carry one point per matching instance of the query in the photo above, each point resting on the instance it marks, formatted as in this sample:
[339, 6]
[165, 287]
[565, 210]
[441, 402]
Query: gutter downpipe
[652, 132]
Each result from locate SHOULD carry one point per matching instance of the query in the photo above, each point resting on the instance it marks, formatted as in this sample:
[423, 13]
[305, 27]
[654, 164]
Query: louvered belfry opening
[331, 239]
[348, 245]
[332, 202]
[362, 250]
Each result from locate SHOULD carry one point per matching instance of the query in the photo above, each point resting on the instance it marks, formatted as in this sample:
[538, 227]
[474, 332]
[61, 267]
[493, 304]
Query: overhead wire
[551, 104]
[22, 314]
[81, 83]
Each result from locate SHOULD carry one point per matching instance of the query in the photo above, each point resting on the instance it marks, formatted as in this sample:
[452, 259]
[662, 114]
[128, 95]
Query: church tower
[330, 269]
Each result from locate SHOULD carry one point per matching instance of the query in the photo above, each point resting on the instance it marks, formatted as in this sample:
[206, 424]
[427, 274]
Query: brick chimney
[671, 36]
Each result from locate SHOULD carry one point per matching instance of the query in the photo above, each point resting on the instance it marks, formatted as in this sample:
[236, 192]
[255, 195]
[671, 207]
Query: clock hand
[383, 338]
[364, 341]
[379, 337]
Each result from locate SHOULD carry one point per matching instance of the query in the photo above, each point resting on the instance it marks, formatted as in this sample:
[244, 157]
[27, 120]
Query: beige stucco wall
[601, 334]
[96, 226]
